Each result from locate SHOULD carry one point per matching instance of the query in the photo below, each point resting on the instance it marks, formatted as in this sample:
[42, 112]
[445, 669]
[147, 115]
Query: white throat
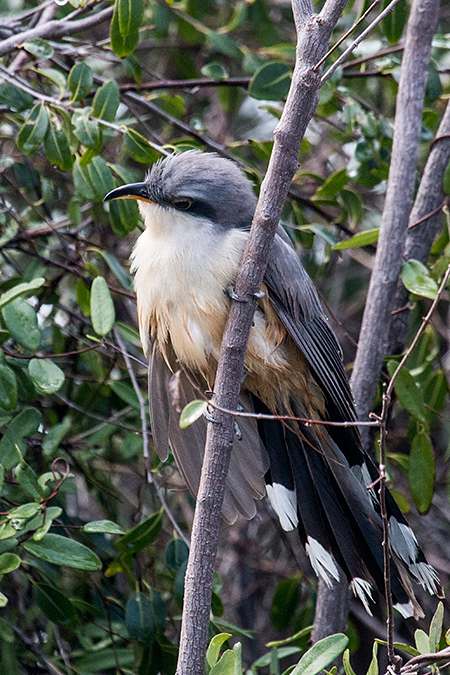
[181, 270]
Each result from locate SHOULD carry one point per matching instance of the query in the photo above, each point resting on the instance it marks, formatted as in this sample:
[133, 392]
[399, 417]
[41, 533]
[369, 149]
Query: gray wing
[296, 302]
[245, 481]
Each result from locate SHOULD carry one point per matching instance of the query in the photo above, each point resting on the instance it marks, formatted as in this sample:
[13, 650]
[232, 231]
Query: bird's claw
[259, 294]
[229, 291]
[209, 418]
[237, 431]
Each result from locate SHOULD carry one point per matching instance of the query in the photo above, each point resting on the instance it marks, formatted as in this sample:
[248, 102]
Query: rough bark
[420, 237]
[376, 323]
[313, 33]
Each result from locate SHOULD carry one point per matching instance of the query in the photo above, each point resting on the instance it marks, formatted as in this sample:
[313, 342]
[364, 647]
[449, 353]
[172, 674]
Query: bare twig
[358, 40]
[56, 28]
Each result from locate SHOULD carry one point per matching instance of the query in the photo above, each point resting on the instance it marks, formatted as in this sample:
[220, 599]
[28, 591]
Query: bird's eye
[182, 204]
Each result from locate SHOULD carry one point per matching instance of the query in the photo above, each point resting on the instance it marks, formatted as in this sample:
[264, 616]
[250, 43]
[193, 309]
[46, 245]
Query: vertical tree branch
[313, 33]
[399, 198]
[420, 238]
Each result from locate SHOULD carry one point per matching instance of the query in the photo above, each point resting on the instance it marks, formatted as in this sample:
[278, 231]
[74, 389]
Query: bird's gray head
[201, 184]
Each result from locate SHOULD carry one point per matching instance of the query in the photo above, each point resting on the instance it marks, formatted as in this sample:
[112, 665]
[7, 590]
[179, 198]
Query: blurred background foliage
[93, 528]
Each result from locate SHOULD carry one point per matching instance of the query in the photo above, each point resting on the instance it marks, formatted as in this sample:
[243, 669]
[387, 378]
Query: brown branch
[313, 33]
[399, 198]
[187, 84]
[56, 28]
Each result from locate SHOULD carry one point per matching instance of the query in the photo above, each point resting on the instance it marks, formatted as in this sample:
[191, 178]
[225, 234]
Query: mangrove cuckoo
[197, 209]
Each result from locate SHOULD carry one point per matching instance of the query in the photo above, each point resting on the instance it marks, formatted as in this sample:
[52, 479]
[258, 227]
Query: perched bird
[197, 209]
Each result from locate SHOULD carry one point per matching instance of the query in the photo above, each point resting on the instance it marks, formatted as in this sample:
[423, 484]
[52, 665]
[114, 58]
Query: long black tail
[312, 487]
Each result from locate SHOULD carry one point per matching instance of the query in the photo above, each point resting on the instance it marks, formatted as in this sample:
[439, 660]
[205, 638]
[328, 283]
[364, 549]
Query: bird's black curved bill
[130, 191]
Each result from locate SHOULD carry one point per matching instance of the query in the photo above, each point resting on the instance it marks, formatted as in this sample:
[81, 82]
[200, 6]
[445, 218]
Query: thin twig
[428, 215]
[143, 412]
[358, 40]
[345, 36]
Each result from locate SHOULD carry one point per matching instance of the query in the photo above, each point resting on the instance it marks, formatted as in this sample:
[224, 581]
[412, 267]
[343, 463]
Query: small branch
[143, 413]
[187, 84]
[56, 29]
[358, 40]
[428, 215]
[346, 35]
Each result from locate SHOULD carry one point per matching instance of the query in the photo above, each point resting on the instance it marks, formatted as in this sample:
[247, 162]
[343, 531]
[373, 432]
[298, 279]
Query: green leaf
[102, 307]
[223, 44]
[416, 278]
[55, 605]
[346, 661]
[434, 86]
[215, 70]
[191, 413]
[176, 554]
[401, 646]
[394, 23]
[373, 667]
[333, 184]
[46, 376]
[55, 435]
[421, 472]
[58, 550]
[139, 618]
[13, 97]
[408, 393]
[361, 239]
[436, 627]
[123, 277]
[26, 423]
[125, 392]
[422, 641]
[21, 321]
[321, 654]
[106, 101]
[100, 178]
[82, 182]
[106, 526]
[8, 388]
[57, 148]
[9, 562]
[293, 638]
[141, 535]
[130, 14]
[122, 46]
[26, 477]
[284, 603]
[80, 81]
[212, 655]
[55, 76]
[20, 289]
[226, 665]
[33, 130]
[271, 82]
[124, 216]
[39, 48]
[87, 130]
[139, 148]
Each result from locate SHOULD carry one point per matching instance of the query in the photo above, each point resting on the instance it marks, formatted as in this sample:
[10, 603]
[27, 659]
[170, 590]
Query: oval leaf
[58, 550]
[142, 535]
[421, 472]
[139, 148]
[8, 388]
[122, 46]
[106, 526]
[26, 423]
[130, 14]
[21, 321]
[106, 101]
[55, 605]
[139, 618]
[46, 376]
[20, 289]
[408, 393]
[191, 412]
[80, 81]
[9, 562]
[271, 82]
[361, 239]
[177, 553]
[34, 129]
[214, 648]
[416, 278]
[102, 307]
[321, 655]
[57, 148]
